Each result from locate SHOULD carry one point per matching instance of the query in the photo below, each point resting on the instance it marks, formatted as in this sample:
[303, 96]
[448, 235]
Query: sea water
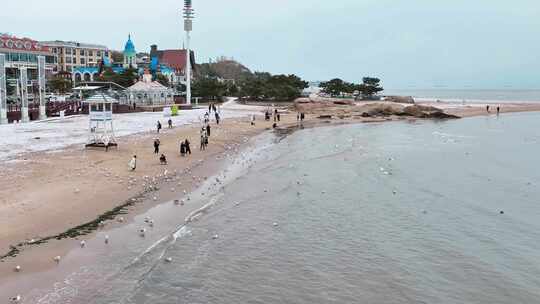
[470, 95]
[396, 212]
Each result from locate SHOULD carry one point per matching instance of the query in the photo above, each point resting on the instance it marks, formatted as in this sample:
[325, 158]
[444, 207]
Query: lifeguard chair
[101, 130]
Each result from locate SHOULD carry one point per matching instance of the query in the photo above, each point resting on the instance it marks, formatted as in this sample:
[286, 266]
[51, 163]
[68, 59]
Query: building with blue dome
[130, 55]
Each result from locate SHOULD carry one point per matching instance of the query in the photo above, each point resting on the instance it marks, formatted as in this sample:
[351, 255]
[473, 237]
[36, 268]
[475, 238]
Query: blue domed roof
[129, 49]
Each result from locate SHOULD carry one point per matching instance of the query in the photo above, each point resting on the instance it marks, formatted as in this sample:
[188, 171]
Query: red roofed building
[23, 52]
[175, 59]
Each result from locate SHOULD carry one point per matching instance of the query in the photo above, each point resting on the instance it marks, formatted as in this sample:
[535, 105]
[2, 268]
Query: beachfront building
[130, 55]
[24, 52]
[175, 60]
[149, 93]
[24, 67]
[72, 55]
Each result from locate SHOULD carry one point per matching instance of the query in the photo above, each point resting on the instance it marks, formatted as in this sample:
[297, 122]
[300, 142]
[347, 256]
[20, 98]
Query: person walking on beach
[210, 107]
[298, 116]
[278, 117]
[158, 126]
[214, 108]
[156, 146]
[182, 149]
[498, 109]
[170, 123]
[206, 117]
[302, 116]
[204, 139]
[217, 118]
[208, 130]
[133, 163]
[186, 146]
[487, 108]
[252, 119]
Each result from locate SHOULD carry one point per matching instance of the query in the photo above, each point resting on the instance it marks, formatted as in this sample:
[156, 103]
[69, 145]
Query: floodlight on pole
[188, 26]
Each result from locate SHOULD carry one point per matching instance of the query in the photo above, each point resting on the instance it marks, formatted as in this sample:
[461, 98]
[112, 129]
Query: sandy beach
[44, 195]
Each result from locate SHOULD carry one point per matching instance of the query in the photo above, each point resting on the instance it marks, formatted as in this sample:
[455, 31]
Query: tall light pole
[188, 26]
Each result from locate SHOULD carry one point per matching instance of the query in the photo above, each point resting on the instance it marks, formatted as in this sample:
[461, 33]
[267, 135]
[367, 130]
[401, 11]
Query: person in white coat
[133, 163]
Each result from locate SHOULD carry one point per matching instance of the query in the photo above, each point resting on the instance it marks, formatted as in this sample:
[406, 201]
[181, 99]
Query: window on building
[83, 61]
[98, 53]
[106, 53]
[91, 53]
[68, 59]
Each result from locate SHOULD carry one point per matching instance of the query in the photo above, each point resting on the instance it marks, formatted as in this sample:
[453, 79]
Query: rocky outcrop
[426, 112]
[400, 99]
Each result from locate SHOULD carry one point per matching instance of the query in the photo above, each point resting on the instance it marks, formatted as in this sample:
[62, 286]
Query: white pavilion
[149, 93]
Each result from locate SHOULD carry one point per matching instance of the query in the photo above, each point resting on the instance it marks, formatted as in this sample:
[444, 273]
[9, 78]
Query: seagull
[57, 259]
[168, 260]
[176, 202]
[275, 224]
[17, 268]
[16, 299]
[120, 219]
[106, 239]
[142, 232]
[215, 237]
[83, 244]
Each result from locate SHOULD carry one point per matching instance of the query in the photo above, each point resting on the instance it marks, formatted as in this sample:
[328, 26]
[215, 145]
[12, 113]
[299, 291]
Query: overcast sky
[408, 44]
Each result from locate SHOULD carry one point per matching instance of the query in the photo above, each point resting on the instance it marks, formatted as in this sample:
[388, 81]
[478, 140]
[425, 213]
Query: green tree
[208, 88]
[336, 87]
[370, 86]
[126, 79]
[59, 85]
[162, 79]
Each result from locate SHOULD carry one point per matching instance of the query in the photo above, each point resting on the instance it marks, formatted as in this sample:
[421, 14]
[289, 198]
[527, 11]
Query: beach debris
[17, 268]
[168, 260]
[57, 259]
[215, 237]
[142, 232]
[120, 219]
[16, 299]
[83, 244]
[106, 239]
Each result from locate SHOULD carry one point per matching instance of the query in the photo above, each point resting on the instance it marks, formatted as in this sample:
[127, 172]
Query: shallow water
[401, 212]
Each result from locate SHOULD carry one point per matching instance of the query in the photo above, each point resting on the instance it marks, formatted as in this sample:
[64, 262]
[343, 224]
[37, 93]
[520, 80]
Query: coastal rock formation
[426, 112]
[400, 99]
[331, 107]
